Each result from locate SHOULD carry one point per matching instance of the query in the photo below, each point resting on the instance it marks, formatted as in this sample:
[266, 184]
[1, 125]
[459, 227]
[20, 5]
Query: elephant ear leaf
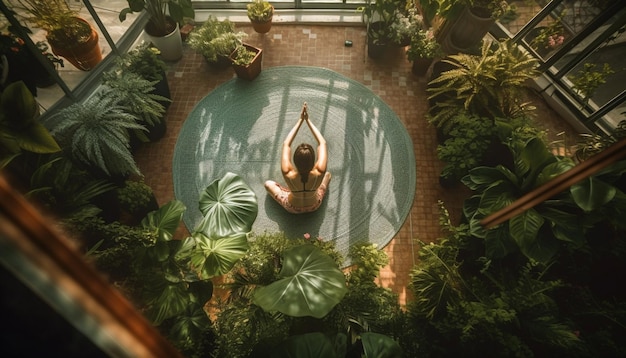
[592, 193]
[165, 220]
[213, 257]
[229, 206]
[377, 345]
[310, 284]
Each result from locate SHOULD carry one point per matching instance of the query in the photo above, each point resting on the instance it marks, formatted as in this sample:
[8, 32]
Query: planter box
[252, 70]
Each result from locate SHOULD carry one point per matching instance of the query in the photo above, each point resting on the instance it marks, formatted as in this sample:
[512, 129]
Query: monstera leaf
[310, 284]
[229, 206]
[165, 220]
[210, 257]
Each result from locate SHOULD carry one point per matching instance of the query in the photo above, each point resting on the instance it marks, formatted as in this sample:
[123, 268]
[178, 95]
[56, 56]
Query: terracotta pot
[263, 27]
[252, 70]
[84, 55]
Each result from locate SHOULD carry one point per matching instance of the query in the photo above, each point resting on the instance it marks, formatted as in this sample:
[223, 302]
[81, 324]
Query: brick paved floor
[390, 78]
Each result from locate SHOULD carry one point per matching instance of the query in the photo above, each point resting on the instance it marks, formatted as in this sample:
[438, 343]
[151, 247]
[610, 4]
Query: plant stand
[252, 70]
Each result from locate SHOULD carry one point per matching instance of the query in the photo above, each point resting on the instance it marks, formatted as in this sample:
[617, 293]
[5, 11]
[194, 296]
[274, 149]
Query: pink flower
[307, 236]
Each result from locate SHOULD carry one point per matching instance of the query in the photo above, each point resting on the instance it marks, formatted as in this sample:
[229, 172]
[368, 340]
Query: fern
[96, 133]
[491, 82]
[136, 93]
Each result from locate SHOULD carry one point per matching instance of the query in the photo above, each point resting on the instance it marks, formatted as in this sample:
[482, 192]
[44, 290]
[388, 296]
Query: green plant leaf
[565, 226]
[172, 301]
[18, 106]
[524, 227]
[211, 257]
[165, 220]
[310, 345]
[310, 284]
[376, 345]
[229, 206]
[592, 193]
[36, 138]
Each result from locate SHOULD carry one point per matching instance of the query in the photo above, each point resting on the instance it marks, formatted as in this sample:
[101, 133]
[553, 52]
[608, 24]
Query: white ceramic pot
[171, 45]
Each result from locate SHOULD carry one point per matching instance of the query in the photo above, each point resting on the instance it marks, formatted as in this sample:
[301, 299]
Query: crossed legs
[281, 195]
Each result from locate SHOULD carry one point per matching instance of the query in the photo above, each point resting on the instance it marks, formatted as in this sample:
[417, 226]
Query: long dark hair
[304, 159]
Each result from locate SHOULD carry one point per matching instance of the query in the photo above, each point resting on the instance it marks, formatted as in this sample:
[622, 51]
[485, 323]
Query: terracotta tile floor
[390, 78]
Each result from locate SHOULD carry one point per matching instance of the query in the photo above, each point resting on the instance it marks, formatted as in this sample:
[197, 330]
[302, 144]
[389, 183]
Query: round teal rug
[240, 126]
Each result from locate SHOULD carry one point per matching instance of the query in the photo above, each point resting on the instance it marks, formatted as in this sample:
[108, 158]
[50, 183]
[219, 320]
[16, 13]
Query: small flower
[307, 236]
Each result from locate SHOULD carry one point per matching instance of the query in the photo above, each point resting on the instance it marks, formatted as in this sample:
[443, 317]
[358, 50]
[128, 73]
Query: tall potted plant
[136, 93]
[69, 36]
[473, 22]
[145, 60]
[165, 18]
[260, 13]
[95, 134]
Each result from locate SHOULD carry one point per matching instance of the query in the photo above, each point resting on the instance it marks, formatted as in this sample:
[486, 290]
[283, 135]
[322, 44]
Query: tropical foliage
[95, 133]
[276, 303]
[491, 83]
[20, 129]
[467, 304]
[172, 278]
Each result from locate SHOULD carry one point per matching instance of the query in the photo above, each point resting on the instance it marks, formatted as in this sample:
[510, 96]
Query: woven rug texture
[240, 127]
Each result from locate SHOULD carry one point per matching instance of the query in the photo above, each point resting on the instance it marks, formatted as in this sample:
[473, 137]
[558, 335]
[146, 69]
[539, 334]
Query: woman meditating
[308, 180]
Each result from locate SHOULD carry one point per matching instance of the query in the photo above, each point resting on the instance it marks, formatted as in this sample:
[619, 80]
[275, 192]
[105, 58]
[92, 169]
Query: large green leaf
[310, 284]
[565, 226]
[524, 227]
[310, 345]
[165, 220]
[376, 345]
[498, 242]
[553, 170]
[213, 257]
[532, 159]
[480, 177]
[18, 106]
[592, 193]
[229, 206]
[172, 301]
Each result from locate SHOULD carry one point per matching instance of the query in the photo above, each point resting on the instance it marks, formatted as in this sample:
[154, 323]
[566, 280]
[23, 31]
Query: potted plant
[405, 24]
[247, 61]
[490, 85]
[165, 19]
[260, 13]
[215, 40]
[94, 133]
[472, 23]
[137, 95]
[379, 17]
[69, 36]
[18, 63]
[145, 60]
[423, 49]
[136, 200]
